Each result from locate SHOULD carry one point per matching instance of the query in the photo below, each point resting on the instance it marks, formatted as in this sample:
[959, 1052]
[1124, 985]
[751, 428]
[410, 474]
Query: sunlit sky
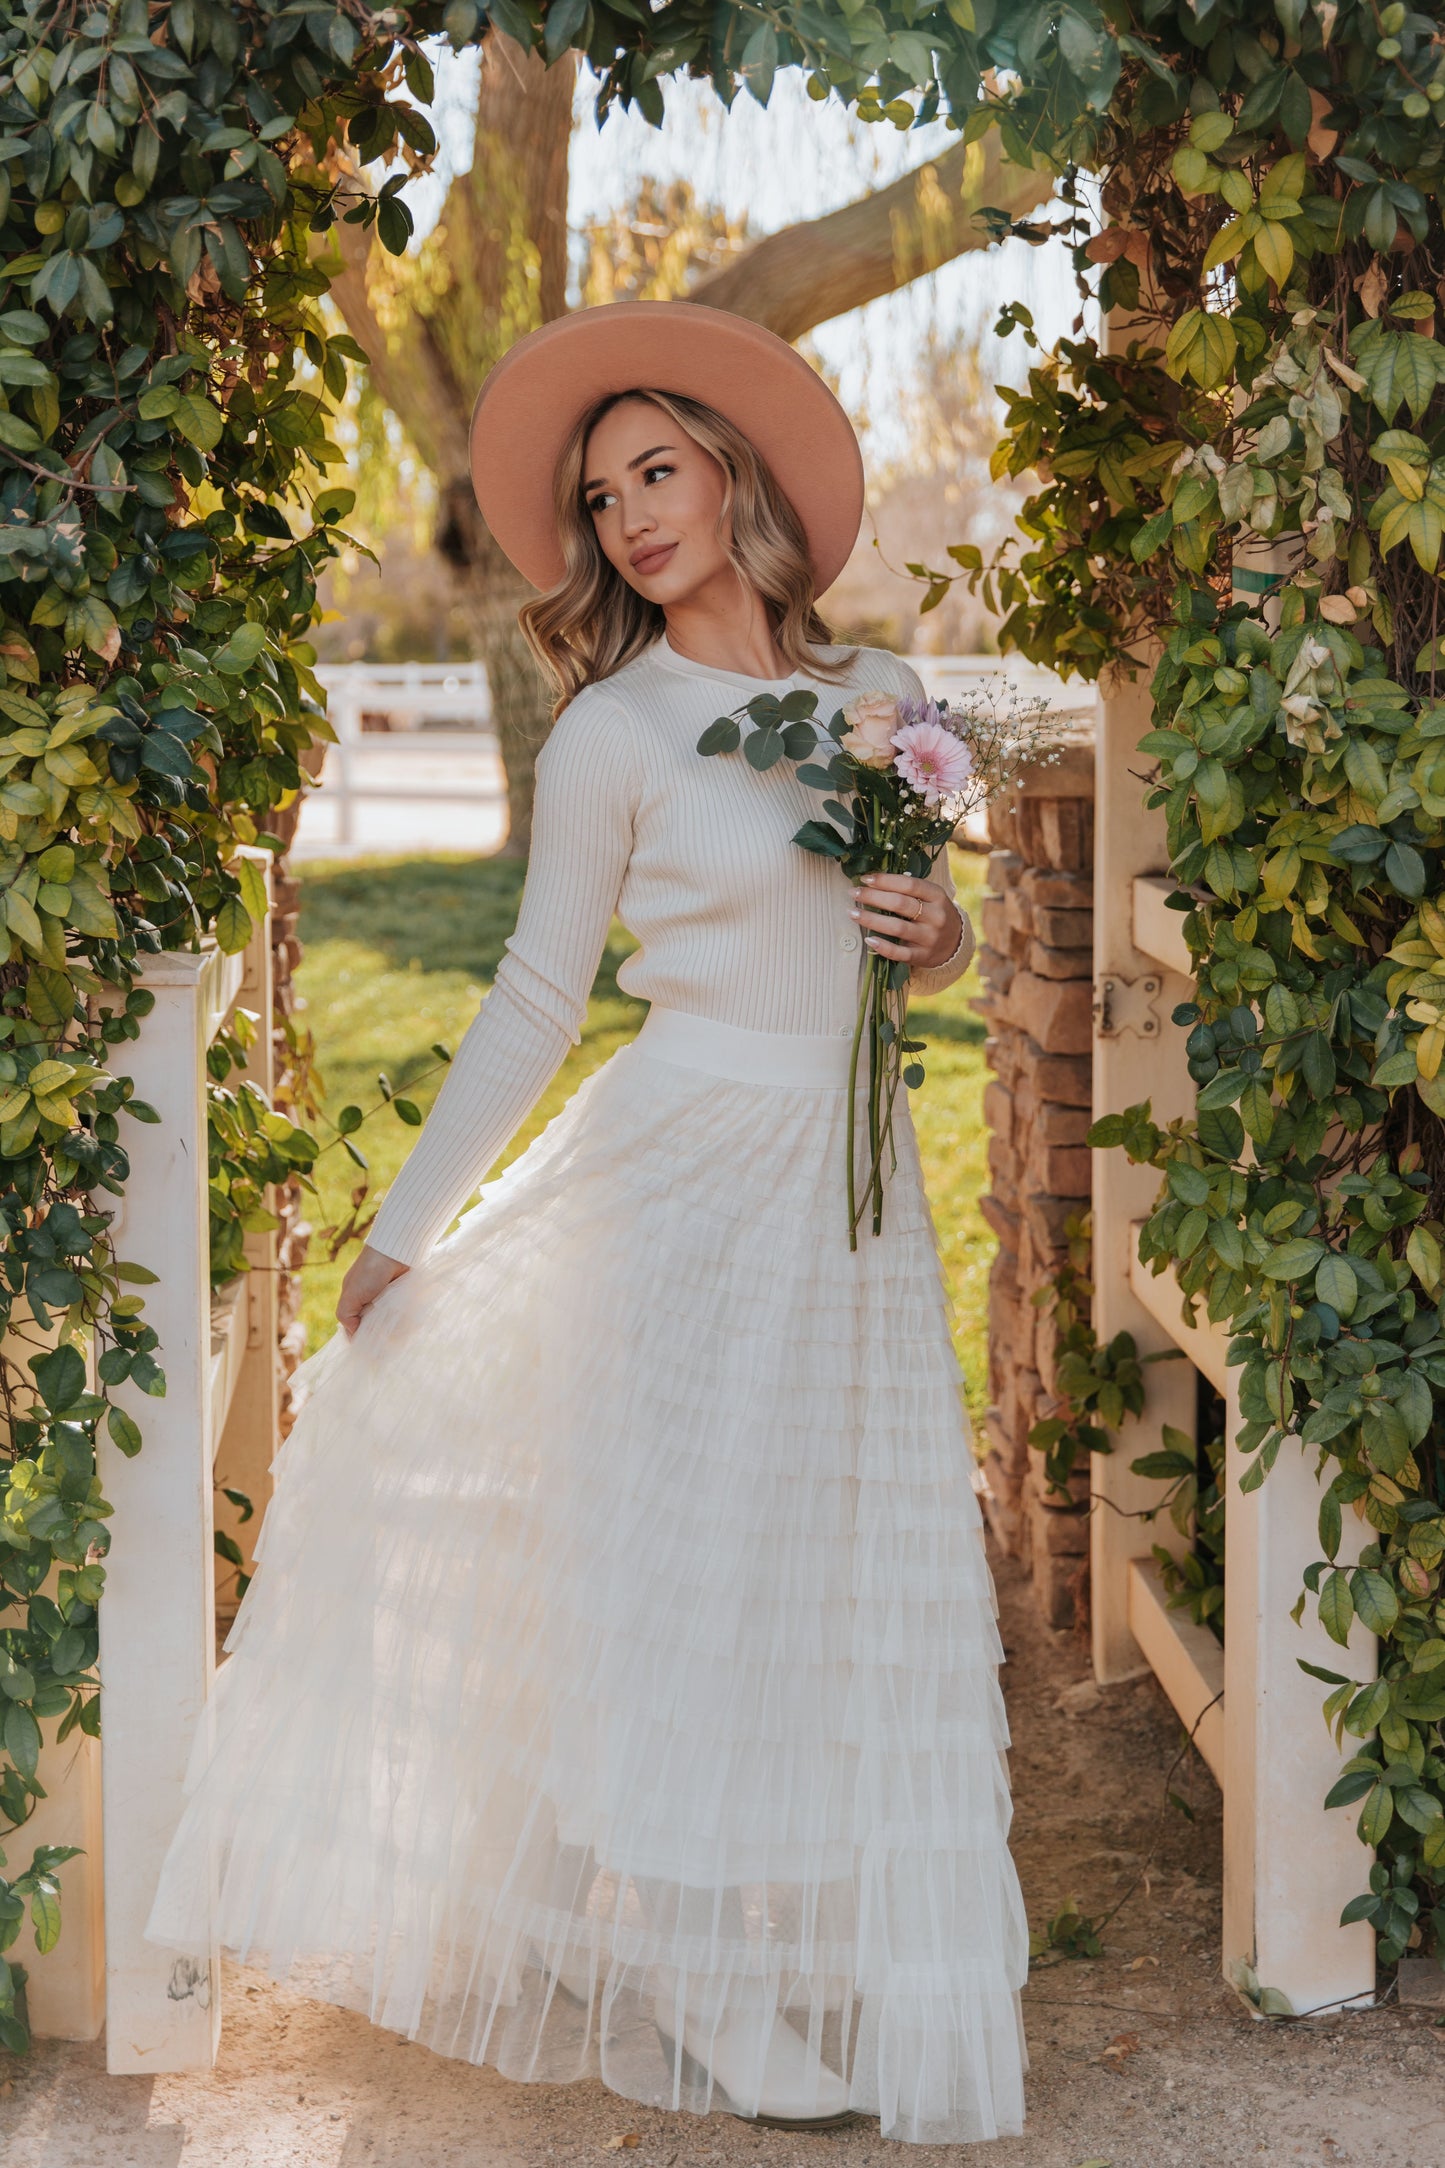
[793, 160]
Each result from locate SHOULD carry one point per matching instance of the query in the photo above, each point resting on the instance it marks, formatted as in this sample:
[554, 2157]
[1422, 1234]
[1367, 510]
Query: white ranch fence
[438, 749]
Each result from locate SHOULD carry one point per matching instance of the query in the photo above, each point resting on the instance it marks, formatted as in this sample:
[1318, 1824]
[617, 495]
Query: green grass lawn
[398, 953]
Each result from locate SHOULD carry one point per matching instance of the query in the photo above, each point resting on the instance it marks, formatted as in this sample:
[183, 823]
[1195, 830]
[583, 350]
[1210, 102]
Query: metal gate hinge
[1122, 1005]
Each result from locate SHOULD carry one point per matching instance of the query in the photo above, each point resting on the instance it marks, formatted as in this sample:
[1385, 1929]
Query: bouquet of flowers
[901, 775]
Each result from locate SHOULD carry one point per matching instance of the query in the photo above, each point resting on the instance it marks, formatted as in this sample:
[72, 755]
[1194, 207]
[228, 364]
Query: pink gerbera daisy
[932, 761]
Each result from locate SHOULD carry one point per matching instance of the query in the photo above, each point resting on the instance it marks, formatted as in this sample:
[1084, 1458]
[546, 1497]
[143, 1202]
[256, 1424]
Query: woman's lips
[653, 560]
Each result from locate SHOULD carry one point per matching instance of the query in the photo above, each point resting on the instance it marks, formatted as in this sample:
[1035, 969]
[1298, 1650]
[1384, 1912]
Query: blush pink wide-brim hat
[543, 385]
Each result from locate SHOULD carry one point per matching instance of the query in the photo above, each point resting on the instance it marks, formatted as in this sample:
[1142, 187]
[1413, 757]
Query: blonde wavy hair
[592, 622]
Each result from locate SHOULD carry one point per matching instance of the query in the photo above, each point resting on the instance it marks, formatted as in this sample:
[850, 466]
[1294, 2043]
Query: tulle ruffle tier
[622, 1627]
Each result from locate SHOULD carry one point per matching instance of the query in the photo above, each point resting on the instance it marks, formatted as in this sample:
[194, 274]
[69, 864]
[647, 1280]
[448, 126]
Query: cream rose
[872, 720]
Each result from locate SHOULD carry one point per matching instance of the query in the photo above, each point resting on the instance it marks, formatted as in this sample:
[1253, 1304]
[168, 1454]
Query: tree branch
[821, 268]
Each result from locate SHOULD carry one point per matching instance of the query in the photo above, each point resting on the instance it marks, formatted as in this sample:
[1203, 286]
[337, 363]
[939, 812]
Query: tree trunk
[495, 268]
[521, 704]
[524, 129]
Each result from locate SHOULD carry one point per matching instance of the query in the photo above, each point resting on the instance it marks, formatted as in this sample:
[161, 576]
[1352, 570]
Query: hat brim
[540, 388]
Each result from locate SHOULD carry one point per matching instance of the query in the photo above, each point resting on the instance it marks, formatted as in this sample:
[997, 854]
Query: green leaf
[124, 1431]
[1367, 1707]
[759, 62]
[1399, 367]
[1224, 1089]
[1376, 1605]
[1319, 1066]
[513, 19]
[1376, 1815]
[1210, 131]
[1294, 1260]
[233, 926]
[198, 421]
[818, 836]
[242, 649]
[563, 20]
[1354, 1783]
[45, 1915]
[253, 887]
[722, 736]
[20, 1736]
[1202, 346]
[1421, 1809]
[60, 1377]
[1335, 1283]
[1406, 869]
[1337, 1608]
[1274, 252]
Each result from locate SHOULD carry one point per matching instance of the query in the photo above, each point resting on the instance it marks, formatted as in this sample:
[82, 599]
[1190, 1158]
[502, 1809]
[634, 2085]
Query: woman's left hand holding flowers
[907, 919]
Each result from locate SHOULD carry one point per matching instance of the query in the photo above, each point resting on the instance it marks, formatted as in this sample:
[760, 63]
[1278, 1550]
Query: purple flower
[912, 711]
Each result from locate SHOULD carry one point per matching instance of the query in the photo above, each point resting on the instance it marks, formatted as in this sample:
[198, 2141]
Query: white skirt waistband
[748, 1057]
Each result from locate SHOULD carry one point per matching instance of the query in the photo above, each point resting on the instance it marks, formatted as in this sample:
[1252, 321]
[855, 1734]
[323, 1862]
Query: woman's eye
[649, 472]
[600, 502]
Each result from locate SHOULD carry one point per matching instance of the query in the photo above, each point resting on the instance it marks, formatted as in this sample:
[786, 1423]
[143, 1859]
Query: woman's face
[654, 496]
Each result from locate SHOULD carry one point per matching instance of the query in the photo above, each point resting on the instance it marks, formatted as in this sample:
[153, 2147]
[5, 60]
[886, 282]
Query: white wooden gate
[1289, 1867]
[120, 1797]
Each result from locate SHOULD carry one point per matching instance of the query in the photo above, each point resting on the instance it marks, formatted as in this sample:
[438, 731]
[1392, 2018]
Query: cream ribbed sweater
[736, 922]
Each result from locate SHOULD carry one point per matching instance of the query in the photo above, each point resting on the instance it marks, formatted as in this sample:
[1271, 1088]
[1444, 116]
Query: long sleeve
[910, 686]
[587, 790]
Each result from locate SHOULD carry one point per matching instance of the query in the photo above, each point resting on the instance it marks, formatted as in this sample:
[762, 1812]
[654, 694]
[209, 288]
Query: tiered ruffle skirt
[622, 1626]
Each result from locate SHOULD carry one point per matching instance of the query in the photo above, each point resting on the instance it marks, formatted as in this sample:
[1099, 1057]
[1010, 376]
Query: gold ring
[919, 912]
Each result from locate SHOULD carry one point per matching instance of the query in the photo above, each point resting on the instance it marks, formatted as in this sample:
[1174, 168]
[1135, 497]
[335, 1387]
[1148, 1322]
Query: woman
[617, 1693]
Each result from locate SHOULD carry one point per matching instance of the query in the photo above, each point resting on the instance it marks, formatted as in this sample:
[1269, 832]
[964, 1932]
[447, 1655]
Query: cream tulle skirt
[622, 1626]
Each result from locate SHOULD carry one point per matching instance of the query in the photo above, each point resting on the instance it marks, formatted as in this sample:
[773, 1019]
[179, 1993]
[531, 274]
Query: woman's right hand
[369, 1275]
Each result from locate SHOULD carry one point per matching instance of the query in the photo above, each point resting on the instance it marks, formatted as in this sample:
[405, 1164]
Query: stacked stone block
[1037, 964]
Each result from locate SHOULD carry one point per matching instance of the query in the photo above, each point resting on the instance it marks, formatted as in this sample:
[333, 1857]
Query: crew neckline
[664, 653]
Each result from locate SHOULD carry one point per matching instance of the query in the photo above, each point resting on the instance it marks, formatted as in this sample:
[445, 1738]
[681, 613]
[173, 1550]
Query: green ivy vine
[1250, 500]
[166, 386]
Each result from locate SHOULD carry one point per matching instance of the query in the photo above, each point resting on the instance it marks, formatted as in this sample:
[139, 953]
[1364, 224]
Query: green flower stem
[853, 1214]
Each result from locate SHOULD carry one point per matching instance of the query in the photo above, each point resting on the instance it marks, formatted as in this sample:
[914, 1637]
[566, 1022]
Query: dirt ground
[1142, 2058]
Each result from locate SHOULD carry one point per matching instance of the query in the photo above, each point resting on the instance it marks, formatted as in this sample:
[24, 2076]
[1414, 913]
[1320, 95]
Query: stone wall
[1037, 964]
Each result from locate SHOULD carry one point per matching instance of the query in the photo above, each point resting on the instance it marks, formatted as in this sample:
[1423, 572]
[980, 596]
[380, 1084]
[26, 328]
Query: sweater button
[845, 1031]
[849, 941]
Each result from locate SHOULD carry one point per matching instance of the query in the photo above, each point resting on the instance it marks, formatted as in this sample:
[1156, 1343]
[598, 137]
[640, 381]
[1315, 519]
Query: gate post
[157, 1616]
[158, 1612]
[1289, 1867]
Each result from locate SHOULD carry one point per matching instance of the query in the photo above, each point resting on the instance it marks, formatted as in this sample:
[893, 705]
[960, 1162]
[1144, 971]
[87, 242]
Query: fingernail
[855, 914]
